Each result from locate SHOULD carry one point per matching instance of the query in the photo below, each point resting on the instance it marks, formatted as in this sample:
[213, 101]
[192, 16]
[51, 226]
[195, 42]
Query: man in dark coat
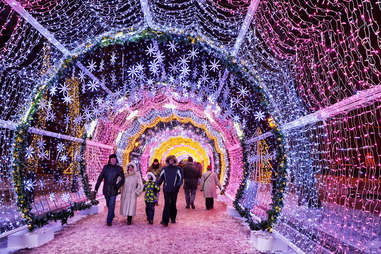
[191, 177]
[110, 174]
[173, 178]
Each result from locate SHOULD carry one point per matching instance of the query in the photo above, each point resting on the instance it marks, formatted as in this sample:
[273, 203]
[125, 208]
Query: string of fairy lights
[274, 74]
[344, 166]
[117, 14]
[304, 56]
[211, 19]
[64, 90]
[126, 144]
[130, 134]
[336, 46]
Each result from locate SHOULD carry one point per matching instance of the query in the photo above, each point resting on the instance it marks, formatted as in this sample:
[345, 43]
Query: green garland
[62, 215]
[84, 176]
[19, 165]
[279, 184]
[24, 202]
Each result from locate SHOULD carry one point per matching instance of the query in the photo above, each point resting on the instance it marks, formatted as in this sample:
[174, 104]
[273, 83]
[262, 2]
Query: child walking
[150, 197]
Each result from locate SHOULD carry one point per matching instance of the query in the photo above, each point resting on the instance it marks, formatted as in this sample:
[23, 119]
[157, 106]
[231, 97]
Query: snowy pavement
[196, 231]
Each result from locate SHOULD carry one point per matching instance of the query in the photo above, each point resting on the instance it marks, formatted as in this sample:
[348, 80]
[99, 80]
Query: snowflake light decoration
[259, 116]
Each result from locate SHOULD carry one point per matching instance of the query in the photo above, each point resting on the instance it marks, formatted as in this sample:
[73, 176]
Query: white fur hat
[152, 175]
[133, 165]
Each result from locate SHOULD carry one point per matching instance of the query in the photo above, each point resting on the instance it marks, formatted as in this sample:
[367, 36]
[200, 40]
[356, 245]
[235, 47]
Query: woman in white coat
[132, 188]
[209, 181]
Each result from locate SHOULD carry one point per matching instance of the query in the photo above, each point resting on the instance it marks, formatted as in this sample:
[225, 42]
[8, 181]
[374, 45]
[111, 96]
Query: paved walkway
[196, 231]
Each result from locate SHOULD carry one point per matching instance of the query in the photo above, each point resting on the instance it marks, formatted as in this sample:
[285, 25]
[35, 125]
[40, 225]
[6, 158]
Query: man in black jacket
[110, 174]
[173, 178]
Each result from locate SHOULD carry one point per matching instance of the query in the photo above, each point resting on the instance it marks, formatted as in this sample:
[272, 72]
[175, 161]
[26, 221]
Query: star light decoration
[184, 64]
[29, 185]
[65, 197]
[52, 197]
[29, 152]
[259, 116]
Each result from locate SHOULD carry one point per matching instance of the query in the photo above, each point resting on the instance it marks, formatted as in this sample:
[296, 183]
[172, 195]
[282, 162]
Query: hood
[171, 157]
[152, 175]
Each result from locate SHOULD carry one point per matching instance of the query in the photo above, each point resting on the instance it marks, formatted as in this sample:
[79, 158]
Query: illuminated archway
[127, 107]
[154, 137]
[179, 146]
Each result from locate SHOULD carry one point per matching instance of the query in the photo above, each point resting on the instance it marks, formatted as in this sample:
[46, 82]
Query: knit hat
[112, 156]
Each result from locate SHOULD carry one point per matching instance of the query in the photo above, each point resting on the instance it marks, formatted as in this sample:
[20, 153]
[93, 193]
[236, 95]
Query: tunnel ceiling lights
[125, 145]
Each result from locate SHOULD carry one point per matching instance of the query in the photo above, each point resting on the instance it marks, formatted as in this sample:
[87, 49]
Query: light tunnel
[114, 117]
[281, 98]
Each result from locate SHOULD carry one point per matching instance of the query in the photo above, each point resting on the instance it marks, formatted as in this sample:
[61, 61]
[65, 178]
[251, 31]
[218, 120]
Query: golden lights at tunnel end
[182, 148]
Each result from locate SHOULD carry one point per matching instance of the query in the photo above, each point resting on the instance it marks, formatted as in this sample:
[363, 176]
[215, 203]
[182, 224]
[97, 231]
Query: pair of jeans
[110, 202]
[209, 202]
[170, 210]
[190, 195]
[150, 210]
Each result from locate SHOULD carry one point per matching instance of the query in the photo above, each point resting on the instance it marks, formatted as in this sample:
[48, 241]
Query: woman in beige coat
[132, 188]
[209, 181]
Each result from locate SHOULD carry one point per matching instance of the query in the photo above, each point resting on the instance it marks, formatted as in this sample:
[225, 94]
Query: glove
[93, 195]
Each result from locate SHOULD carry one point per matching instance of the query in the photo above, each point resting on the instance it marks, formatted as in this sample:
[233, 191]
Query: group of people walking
[172, 175]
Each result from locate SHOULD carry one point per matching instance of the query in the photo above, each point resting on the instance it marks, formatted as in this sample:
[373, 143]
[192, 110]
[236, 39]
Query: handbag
[202, 189]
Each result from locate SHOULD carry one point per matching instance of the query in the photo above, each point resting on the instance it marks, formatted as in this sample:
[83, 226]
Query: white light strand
[92, 76]
[360, 99]
[49, 36]
[147, 13]
[245, 26]
[12, 126]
